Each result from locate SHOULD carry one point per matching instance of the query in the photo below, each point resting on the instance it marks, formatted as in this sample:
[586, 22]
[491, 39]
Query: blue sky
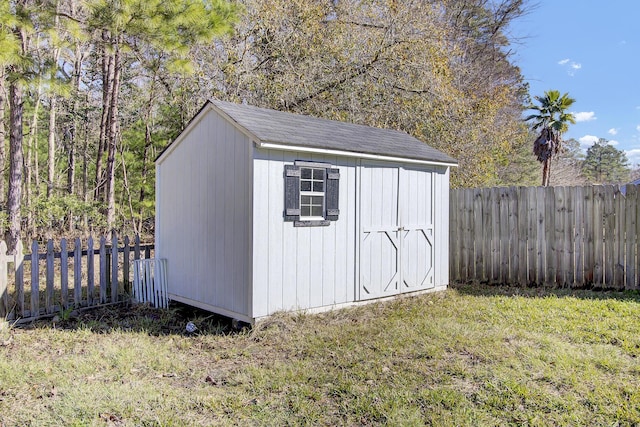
[590, 49]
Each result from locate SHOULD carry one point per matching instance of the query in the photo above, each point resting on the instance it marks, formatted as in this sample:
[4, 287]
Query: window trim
[293, 194]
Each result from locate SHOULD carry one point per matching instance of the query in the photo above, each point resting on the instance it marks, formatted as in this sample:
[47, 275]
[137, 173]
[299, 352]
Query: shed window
[311, 193]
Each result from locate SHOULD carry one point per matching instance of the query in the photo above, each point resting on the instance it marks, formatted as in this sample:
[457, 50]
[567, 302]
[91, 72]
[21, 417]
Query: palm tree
[552, 118]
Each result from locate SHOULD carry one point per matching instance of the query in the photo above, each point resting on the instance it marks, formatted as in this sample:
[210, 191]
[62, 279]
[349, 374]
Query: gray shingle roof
[271, 126]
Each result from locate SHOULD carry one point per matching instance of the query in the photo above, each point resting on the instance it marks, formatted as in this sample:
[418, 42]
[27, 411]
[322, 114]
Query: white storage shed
[259, 211]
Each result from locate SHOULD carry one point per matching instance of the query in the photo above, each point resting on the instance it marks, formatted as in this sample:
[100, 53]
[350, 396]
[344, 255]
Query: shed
[259, 211]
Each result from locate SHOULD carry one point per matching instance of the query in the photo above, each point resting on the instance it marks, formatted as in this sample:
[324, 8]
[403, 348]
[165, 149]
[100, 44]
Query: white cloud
[612, 131]
[585, 116]
[613, 142]
[638, 128]
[633, 156]
[587, 141]
[570, 66]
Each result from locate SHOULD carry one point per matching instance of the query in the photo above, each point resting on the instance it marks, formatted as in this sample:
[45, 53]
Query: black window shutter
[331, 194]
[291, 193]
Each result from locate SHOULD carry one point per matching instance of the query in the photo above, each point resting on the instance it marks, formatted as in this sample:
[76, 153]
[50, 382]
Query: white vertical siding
[441, 226]
[300, 267]
[204, 215]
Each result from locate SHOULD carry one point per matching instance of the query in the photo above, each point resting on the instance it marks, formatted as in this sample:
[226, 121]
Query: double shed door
[396, 230]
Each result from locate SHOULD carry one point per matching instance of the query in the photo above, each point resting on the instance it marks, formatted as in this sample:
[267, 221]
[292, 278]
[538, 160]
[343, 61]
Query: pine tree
[604, 164]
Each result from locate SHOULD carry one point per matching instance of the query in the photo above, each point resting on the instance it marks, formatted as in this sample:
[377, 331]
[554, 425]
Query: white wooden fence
[82, 277]
[555, 236]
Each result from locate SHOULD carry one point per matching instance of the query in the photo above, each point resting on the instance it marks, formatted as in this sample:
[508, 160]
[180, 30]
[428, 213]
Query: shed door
[396, 230]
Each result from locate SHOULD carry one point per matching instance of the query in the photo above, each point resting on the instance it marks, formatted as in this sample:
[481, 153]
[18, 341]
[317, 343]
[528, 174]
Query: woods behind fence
[555, 236]
[74, 276]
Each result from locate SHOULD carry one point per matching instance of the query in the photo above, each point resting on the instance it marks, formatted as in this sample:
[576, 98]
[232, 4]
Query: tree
[159, 28]
[604, 164]
[552, 118]
[440, 72]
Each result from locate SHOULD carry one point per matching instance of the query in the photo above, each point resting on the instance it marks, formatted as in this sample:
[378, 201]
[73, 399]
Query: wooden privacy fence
[73, 278]
[555, 236]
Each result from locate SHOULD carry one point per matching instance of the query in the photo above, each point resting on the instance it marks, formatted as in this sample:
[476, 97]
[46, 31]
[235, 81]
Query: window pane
[305, 200]
[316, 210]
[316, 200]
[318, 174]
[318, 186]
[306, 173]
[305, 210]
[305, 186]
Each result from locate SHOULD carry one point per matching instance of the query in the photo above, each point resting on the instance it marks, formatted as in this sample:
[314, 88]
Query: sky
[590, 50]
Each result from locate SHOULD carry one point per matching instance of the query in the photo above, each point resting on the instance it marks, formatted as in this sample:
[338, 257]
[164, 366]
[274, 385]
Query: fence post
[4, 293]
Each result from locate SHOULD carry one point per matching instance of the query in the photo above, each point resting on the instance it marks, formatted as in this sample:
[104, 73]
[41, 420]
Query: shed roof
[271, 126]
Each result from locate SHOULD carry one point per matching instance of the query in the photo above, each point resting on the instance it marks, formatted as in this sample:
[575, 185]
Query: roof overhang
[288, 147]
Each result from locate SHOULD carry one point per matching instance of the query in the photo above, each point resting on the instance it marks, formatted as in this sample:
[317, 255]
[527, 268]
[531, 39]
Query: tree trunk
[15, 165]
[107, 85]
[113, 141]
[51, 161]
[3, 153]
[545, 167]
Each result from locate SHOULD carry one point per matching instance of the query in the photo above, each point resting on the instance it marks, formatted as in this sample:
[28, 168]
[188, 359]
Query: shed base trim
[212, 308]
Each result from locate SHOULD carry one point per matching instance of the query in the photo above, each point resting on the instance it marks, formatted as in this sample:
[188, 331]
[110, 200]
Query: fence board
[504, 235]
[19, 267]
[532, 241]
[598, 233]
[454, 235]
[609, 232]
[495, 235]
[619, 240]
[523, 208]
[125, 266]
[550, 236]
[114, 268]
[514, 257]
[90, 271]
[4, 283]
[64, 275]
[77, 274]
[579, 235]
[558, 239]
[558, 236]
[569, 237]
[477, 227]
[631, 203]
[35, 287]
[103, 270]
[589, 245]
[49, 278]
[637, 235]
[486, 233]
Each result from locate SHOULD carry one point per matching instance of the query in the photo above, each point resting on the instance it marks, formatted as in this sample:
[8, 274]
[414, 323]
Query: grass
[473, 355]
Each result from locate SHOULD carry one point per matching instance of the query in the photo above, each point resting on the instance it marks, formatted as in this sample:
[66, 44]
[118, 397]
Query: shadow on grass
[140, 318]
[483, 289]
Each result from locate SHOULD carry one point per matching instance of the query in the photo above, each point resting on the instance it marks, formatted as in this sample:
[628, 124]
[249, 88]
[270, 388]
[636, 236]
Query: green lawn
[472, 355]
